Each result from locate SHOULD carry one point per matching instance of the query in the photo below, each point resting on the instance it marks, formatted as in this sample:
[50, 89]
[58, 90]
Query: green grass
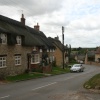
[58, 70]
[32, 75]
[93, 82]
[24, 76]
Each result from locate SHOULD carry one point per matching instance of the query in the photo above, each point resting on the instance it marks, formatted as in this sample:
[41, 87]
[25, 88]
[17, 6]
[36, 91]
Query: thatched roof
[42, 38]
[57, 43]
[30, 37]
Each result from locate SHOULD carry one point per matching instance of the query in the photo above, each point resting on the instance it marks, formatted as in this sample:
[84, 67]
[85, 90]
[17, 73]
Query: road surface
[67, 86]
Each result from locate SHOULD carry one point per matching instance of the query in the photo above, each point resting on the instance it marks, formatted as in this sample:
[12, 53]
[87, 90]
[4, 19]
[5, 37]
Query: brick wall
[47, 69]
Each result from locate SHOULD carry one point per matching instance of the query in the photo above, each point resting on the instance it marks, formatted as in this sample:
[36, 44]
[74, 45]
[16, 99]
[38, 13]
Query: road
[60, 87]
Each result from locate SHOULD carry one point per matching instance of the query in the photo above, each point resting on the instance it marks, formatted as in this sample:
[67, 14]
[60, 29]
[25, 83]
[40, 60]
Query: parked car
[77, 68]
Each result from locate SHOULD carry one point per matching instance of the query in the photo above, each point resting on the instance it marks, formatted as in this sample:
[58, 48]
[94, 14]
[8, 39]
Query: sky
[80, 18]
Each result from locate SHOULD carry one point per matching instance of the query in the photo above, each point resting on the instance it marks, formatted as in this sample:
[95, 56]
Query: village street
[60, 87]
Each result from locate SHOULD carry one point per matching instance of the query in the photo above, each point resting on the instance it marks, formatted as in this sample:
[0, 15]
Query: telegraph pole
[63, 45]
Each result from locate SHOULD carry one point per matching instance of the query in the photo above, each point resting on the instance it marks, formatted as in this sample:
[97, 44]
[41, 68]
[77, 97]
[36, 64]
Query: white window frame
[18, 60]
[50, 50]
[3, 38]
[34, 48]
[51, 59]
[19, 40]
[3, 61]
[35, 59]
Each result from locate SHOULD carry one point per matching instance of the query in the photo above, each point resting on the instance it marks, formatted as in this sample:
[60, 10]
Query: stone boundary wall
[93, 63]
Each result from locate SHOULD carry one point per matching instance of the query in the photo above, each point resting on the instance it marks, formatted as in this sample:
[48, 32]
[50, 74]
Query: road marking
[62, 80]
[4, 97]
[44, 86]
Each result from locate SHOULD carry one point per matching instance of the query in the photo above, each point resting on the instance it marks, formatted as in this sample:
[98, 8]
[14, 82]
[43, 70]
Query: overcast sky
[80, 18]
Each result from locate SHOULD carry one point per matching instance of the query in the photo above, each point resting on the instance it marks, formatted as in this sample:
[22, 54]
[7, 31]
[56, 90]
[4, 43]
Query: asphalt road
[60, 87]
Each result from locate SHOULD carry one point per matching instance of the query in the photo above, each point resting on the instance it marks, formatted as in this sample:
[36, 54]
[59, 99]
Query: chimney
[23, 19]
[57, 38]
[37, 27]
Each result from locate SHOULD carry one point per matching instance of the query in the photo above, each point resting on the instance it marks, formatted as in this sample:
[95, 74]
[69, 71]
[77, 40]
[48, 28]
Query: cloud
[80, 18]
[89, 23]
[33, 7]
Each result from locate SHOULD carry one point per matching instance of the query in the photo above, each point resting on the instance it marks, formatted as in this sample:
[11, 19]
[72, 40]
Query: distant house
[90, 57]
[58, 51]
[97, 55]
[80, 57]
[22, 47]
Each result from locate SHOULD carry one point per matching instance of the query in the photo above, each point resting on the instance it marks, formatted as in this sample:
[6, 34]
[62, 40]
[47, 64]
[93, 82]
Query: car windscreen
[76, 65]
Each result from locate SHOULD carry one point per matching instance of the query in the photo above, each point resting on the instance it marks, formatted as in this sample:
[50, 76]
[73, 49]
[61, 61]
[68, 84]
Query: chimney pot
[37, 27]
[23, 19]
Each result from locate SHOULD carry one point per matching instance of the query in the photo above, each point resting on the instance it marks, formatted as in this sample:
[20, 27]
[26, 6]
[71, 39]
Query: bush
[27, 71]
[54, 64]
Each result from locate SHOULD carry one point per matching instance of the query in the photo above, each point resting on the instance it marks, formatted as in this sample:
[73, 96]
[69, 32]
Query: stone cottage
[22, 47]
[58, 54]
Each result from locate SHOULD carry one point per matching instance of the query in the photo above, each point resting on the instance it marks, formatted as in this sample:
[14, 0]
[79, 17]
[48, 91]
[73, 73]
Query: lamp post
[63, 45]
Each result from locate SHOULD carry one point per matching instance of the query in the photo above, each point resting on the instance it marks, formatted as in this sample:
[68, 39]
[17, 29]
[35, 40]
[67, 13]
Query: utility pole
[63, 45]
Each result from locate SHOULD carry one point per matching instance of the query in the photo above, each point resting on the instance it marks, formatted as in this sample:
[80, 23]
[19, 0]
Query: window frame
[3, 37]
[36, 59]
[3, 61]
[19, 40]
[17, 60]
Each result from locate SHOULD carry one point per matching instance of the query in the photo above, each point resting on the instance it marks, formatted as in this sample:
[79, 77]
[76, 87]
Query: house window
[50, 50]
[51, 59]
[18, 38]
[47, 50]
[2, 62]
[3, 38]
[35, 59]
[34, 49]
[18, 60]
[53, 50]
[40, 50]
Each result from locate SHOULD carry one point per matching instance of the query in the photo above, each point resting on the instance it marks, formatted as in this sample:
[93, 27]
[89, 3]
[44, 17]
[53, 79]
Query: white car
[77, 68]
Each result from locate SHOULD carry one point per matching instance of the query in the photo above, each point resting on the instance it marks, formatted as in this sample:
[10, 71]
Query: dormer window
[40, 50]
[3, 38]
[18, 38]
[47, 50]
[34, 48]
[50, 50]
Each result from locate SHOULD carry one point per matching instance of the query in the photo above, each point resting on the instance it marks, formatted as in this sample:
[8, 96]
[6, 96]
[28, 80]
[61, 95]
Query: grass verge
[58, 70]
[93, 83]
[24, 76]
[32, 75]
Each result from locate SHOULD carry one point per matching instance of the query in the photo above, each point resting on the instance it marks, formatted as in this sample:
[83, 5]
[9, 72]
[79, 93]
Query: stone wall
[93, 63]
[58, 55]
[10, 51]
[47, 69]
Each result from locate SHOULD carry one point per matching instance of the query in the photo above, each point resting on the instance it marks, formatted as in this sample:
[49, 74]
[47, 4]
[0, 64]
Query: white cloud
[80, 18]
